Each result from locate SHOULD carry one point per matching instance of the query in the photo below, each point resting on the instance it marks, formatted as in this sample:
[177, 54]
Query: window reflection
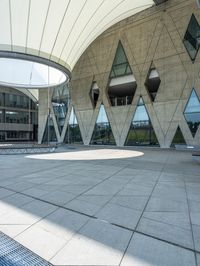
[17, 108]
[178, 138]
[102, 134]
[49, 133]
[60, 102]
[192, 38]
[192, 112]
[73, 133]
[141, 131]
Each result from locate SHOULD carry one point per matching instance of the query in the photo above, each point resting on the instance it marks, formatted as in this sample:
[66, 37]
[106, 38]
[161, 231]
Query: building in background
[18, 116]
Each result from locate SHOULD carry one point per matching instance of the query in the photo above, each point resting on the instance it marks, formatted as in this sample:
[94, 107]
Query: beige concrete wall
[154, 35]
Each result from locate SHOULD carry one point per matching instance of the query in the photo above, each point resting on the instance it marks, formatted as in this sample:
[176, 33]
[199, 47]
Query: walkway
[93, 206]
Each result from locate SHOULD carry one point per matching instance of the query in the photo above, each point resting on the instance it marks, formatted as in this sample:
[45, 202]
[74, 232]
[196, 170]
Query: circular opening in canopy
[29, 74]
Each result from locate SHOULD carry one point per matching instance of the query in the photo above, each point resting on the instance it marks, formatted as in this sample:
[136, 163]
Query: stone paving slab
[106, 199]
[146, 251]
[98, 243]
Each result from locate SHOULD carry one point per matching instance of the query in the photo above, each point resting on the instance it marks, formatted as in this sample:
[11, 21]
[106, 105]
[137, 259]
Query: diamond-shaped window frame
[152, 67]
[90, 94]
[184, 112]
[184, 39]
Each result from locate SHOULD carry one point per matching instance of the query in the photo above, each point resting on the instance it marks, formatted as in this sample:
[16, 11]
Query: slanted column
[43, 111]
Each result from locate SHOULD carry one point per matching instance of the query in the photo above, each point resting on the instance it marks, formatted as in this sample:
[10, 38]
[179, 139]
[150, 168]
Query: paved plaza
[94, 206]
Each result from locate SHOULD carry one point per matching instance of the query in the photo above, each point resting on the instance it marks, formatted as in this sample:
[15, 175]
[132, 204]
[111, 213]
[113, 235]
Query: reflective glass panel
[192, 112]
[73, 133]
[2, 99]
[17, 117]
[141, 131]
[60, 102]
[192, 38]
[1, 116]
[102, 134]
[178, 138]
[49, 133]
[120, 65]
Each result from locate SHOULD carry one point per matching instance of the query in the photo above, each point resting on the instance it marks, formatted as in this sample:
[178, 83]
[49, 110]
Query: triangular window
[192, 112]
[73, 133]
[49, 132]
[120, 65]
[178, 138]
[141, 131]
[102, 134]
[192, 38]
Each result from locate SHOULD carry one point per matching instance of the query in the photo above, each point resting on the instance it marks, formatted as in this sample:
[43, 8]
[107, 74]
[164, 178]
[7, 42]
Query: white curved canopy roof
[60, 30]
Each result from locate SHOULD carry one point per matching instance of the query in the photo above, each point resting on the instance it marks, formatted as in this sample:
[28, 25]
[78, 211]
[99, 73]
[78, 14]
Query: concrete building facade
[154, 36]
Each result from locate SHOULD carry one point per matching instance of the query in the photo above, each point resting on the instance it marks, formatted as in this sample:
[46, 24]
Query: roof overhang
[60, 31]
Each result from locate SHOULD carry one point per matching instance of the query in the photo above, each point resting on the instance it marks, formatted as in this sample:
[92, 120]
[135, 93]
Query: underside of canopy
[60, 31]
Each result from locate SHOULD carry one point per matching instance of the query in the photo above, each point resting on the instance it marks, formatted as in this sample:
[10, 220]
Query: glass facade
[192, 38]
[60, 103]
[178, 138]
[102, 134]
[121, 91]
[17, 108]
[152, 83]
[73, 133]
[17, 117]
[18, 101]
[192, 112]
[49, 132]
[141, 131]
[1, 116]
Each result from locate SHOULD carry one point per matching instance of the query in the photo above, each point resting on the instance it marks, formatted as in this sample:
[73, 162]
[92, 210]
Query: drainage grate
[14, 254]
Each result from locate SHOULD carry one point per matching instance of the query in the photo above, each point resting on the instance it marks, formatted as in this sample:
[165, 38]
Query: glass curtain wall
[18, 116]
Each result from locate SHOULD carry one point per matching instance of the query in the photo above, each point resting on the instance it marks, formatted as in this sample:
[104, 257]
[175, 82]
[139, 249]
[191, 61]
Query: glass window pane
[141, 131]
[192, 38]
[192, 112]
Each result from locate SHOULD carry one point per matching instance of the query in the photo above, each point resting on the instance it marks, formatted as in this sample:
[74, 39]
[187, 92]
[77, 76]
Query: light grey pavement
[94, 206]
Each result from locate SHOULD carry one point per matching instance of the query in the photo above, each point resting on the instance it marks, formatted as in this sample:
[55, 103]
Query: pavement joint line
[103, 180]
[153, 188]
[54, 204]
[190, 222]
[96, 218]
[154, 220]
[115, 193]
